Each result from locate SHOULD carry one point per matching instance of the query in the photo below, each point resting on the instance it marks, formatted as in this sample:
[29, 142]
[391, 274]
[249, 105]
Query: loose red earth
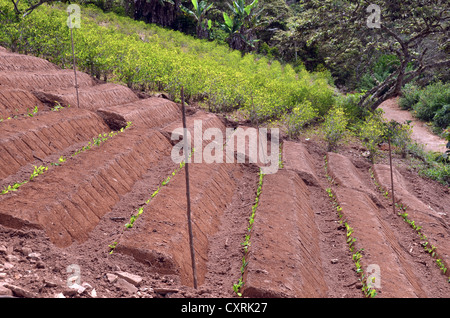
[72, 215]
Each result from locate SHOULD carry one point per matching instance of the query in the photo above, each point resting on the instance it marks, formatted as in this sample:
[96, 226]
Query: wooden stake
[188, 195]
[392, 176]
[74, 64]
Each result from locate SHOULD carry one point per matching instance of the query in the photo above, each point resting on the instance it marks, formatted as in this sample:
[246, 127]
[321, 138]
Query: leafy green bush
[431, 165]
[402, 138]
[410, 96]
[150, 58]
[380, 70]
[431, 100]
[371, 132]
[335, 126]
[442, 117]
[299, 117]
[349, 103]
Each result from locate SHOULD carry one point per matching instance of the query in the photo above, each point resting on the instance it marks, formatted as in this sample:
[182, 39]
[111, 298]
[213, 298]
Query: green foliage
[399, 135]
[427, 246]
[200, 9]
[299, 117]
[246, 244]
[335, 126]
[445, 157]
[381, 69]
[430, 103]
[442, 117]
[371, 132]
[349, 103]
[429, 164]
[147, 57]
[410, 96]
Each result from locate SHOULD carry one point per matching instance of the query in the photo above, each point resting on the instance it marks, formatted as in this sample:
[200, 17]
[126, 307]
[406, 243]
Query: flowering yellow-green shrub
[371, 132]
[150, 58]
[299, 117]
[335, 126]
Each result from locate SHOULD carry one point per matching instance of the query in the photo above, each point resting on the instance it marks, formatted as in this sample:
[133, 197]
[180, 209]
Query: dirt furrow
[44, 80]
[434, 224]
[284, 258]
[91, 97]
[50, 133]
[160, 237]
[17, 102]
[19, 63]
[149, 112]
[39, 202]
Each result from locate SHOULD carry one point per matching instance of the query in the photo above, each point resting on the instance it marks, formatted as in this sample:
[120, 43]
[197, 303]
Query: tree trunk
[152, 11]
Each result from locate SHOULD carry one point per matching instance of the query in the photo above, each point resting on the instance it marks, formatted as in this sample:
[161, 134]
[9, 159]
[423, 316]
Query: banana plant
[199, 14]
[241, 24]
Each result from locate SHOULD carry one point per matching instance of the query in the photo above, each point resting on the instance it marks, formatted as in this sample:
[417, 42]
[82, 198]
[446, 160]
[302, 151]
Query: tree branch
[409, 76]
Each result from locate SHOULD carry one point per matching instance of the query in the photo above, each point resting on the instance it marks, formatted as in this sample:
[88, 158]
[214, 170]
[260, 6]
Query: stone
[12, 258]
[26, 250]
[163, 291]
[7, 265]
[334, 261]
[126, 286]
[19, 291]
[3, 249]
[50, 283]
[80, 289]
[69, 292]
[131, 278]
[74, 289]
[111, 278]
[5, 291]
[40, 264]
[35, 256]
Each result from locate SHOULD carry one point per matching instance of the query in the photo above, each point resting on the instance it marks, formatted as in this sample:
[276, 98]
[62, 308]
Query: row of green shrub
[431, 103]
[150, 58]
[345, 119]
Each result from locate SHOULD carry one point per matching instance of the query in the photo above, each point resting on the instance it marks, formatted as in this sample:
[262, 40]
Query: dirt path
[421, 133]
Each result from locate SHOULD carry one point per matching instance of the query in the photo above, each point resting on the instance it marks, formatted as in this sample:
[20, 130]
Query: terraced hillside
[92, 194]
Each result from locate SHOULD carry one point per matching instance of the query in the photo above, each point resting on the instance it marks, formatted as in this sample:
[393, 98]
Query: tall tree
[24, 8]
[348, 40]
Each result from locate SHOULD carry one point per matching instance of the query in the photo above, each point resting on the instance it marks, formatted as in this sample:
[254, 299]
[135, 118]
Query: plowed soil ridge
[375, 233]
[68, 201]
[149, 112]
[17, 102]
[18, 62]
[433, 225]
[24, 140]
[160, 239]
[91, 98]
[284, 259]
[44, 80]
